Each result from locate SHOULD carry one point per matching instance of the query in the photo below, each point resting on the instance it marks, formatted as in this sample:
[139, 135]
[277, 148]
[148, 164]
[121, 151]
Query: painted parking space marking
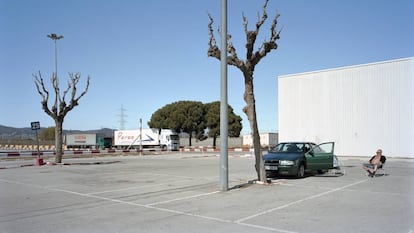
[152, 205]
[299, 201]
[137, 187]
[264, 228]
[182, 198]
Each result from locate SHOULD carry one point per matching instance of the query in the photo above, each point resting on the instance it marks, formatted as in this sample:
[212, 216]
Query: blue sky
[143, 55]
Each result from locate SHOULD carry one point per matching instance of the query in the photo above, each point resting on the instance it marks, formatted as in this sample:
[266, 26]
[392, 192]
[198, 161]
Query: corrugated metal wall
[361, 108]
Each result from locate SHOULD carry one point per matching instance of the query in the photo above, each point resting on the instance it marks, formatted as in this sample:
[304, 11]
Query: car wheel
[301, 171]
[269, 174]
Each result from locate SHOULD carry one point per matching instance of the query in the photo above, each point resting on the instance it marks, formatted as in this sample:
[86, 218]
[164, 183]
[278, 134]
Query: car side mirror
[311, 153]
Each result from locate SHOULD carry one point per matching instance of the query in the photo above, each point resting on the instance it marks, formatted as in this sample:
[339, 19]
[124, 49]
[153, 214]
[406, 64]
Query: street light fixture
[55, 37]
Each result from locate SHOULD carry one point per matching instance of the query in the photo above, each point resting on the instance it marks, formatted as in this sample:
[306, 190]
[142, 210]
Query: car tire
[270, 174]
[301, 171]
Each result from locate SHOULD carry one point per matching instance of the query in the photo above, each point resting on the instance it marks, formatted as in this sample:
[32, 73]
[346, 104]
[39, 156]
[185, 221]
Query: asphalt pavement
[179, 192]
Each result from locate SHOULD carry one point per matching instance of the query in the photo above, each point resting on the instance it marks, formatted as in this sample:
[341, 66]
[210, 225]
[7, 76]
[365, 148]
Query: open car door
[321, 157]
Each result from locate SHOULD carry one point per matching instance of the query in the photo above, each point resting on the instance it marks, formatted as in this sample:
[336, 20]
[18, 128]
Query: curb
[110, 151]
[61, 164]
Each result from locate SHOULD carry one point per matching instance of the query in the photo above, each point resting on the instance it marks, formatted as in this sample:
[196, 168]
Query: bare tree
[247, 68]
[60, 108]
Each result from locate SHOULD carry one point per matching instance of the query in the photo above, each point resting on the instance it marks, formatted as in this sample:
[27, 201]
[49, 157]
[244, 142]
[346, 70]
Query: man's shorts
[369, 165]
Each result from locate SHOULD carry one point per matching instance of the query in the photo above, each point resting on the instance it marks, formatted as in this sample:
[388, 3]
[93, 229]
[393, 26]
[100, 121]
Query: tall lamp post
[224, 173]
[55, 38]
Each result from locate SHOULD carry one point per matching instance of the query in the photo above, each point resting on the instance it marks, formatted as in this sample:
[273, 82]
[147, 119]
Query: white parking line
[298, 201]
[136, 187]
[151, 206]
[265, 228]
[155, 184]
[182, 198]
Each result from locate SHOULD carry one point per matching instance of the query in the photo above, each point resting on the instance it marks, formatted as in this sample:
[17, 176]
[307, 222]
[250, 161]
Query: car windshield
[291, 148]
[174, 137]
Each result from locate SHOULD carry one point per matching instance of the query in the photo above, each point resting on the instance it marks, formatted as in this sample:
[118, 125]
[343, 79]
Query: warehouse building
[361, 108]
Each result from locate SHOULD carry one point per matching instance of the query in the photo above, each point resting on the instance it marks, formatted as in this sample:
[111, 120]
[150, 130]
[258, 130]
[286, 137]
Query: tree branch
[252, 35]
[252, 57]
[62, 104]
[233, 58]
[213, 50]
[264, 17]
[74, 101]
[42, 92]
[39, 81]
[269, 45]
[56, 113]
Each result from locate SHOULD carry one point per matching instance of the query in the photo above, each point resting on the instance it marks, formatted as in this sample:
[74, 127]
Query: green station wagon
[297, 158]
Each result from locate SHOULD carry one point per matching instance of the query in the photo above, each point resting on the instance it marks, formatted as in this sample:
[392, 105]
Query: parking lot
[180, 193]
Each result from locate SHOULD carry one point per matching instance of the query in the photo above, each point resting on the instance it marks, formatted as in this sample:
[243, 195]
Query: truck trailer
[266, 139]
[165, 139]
[87, 141]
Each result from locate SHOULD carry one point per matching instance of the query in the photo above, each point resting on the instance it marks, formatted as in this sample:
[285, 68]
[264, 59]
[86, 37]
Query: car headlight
[286, 162]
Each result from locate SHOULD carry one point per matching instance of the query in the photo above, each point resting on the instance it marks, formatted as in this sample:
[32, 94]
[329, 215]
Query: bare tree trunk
[59, 140]
[250, 111]
[214, 141]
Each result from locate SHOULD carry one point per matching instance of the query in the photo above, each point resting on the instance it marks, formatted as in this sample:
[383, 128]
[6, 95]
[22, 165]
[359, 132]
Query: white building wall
[361, 108]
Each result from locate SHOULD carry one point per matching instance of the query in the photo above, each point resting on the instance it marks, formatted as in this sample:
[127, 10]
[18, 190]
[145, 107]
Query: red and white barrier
[10, 154]
[210, 149]
[51, 153]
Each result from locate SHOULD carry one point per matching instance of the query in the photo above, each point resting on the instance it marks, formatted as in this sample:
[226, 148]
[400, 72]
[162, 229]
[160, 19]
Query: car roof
[295, 142]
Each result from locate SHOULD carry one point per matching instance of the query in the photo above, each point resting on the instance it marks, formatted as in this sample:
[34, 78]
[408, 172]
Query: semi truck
[87, 141]
[165, 139]
[266, 139]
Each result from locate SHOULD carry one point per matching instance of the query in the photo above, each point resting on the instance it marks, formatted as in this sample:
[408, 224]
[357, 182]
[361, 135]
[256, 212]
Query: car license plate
[274, 168]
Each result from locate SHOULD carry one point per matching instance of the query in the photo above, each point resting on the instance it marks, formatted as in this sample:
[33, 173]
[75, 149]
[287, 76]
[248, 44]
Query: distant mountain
[20, 133]
[27, 132]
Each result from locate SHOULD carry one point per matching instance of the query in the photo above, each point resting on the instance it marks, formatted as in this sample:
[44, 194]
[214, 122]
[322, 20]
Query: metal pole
[55, 37]
[37, 142]
[55, 59]
[35, 126]
[224, 174]
[140, 136]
